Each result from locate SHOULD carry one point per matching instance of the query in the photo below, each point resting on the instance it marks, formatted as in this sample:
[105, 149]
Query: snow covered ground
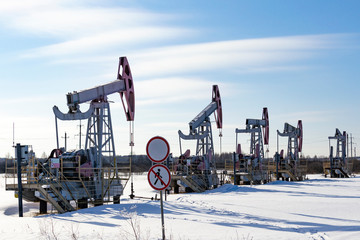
[319, 208]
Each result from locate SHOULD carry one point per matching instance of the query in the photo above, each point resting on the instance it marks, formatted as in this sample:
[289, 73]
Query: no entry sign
[159, 177]
[157, 149]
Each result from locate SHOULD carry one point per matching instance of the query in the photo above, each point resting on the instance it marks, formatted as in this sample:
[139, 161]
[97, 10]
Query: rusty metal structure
[74, 179]
[249, 168]
[198, 173]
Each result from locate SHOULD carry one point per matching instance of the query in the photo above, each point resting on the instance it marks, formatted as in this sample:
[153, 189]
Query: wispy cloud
[278, 54]
[30, 99]
[173, 90]
[71, 19]
[238, 55]
[71, 27]
[79, 31]
[170, 90]
[108, 40]
[305, 116]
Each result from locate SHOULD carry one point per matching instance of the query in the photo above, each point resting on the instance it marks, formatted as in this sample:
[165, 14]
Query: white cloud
[170, 90]
[288, 53]
[26, 99]
[106, 40]
[83, 29]
[80, 27]
[306, 117]
[238, 55]
[71, 19]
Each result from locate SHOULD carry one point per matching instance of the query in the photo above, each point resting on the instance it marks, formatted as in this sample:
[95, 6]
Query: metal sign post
[159, 177]
[162, 215]
[19, 157]
[277, 160]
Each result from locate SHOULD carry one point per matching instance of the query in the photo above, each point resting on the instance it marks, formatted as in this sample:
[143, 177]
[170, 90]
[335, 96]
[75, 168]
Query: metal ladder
[189, 181]
[53, 196]
[51, 188]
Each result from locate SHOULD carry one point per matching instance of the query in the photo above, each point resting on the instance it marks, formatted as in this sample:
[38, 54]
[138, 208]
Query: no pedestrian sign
[159, 177]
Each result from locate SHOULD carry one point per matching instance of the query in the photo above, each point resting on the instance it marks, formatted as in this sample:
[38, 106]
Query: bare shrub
[74, 231]
[47, 229]
[50, 231]
[133, 221]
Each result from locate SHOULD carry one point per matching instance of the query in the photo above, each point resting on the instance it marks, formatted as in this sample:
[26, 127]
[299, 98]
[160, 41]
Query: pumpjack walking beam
[98, 115]
[290, 166]
[249, 169]
[99, 134]
[338, 166]
[200, 170]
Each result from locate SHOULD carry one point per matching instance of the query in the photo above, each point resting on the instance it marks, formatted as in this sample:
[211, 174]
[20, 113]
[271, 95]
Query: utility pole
[80, 135]
[80, 125]
[347, 144]
[66, 137]
[20, 157]
[351, 138]
[354, 151]
[351, 143]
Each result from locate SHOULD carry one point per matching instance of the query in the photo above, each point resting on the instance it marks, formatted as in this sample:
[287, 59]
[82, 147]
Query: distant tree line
[2, 165]
[314, 164]
[141, 163]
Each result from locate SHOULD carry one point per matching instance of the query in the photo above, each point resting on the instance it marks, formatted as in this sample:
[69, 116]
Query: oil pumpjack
[338, 166]
[74, 179]
[249, 169]
[291, 167]
[198, 173]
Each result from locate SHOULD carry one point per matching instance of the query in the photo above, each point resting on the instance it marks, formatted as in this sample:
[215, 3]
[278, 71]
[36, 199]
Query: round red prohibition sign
[159, 177]
[157, 149]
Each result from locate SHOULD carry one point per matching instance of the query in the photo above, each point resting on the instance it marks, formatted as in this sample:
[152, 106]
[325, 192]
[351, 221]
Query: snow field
[317, 208]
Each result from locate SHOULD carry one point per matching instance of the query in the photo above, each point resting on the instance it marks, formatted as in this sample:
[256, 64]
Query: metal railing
[69, 178]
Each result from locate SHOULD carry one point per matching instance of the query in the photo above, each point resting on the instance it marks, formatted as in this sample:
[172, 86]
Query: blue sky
[298, 58]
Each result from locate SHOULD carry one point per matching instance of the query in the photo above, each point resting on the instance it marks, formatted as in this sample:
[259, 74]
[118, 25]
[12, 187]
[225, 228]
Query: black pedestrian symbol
[158, 176]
